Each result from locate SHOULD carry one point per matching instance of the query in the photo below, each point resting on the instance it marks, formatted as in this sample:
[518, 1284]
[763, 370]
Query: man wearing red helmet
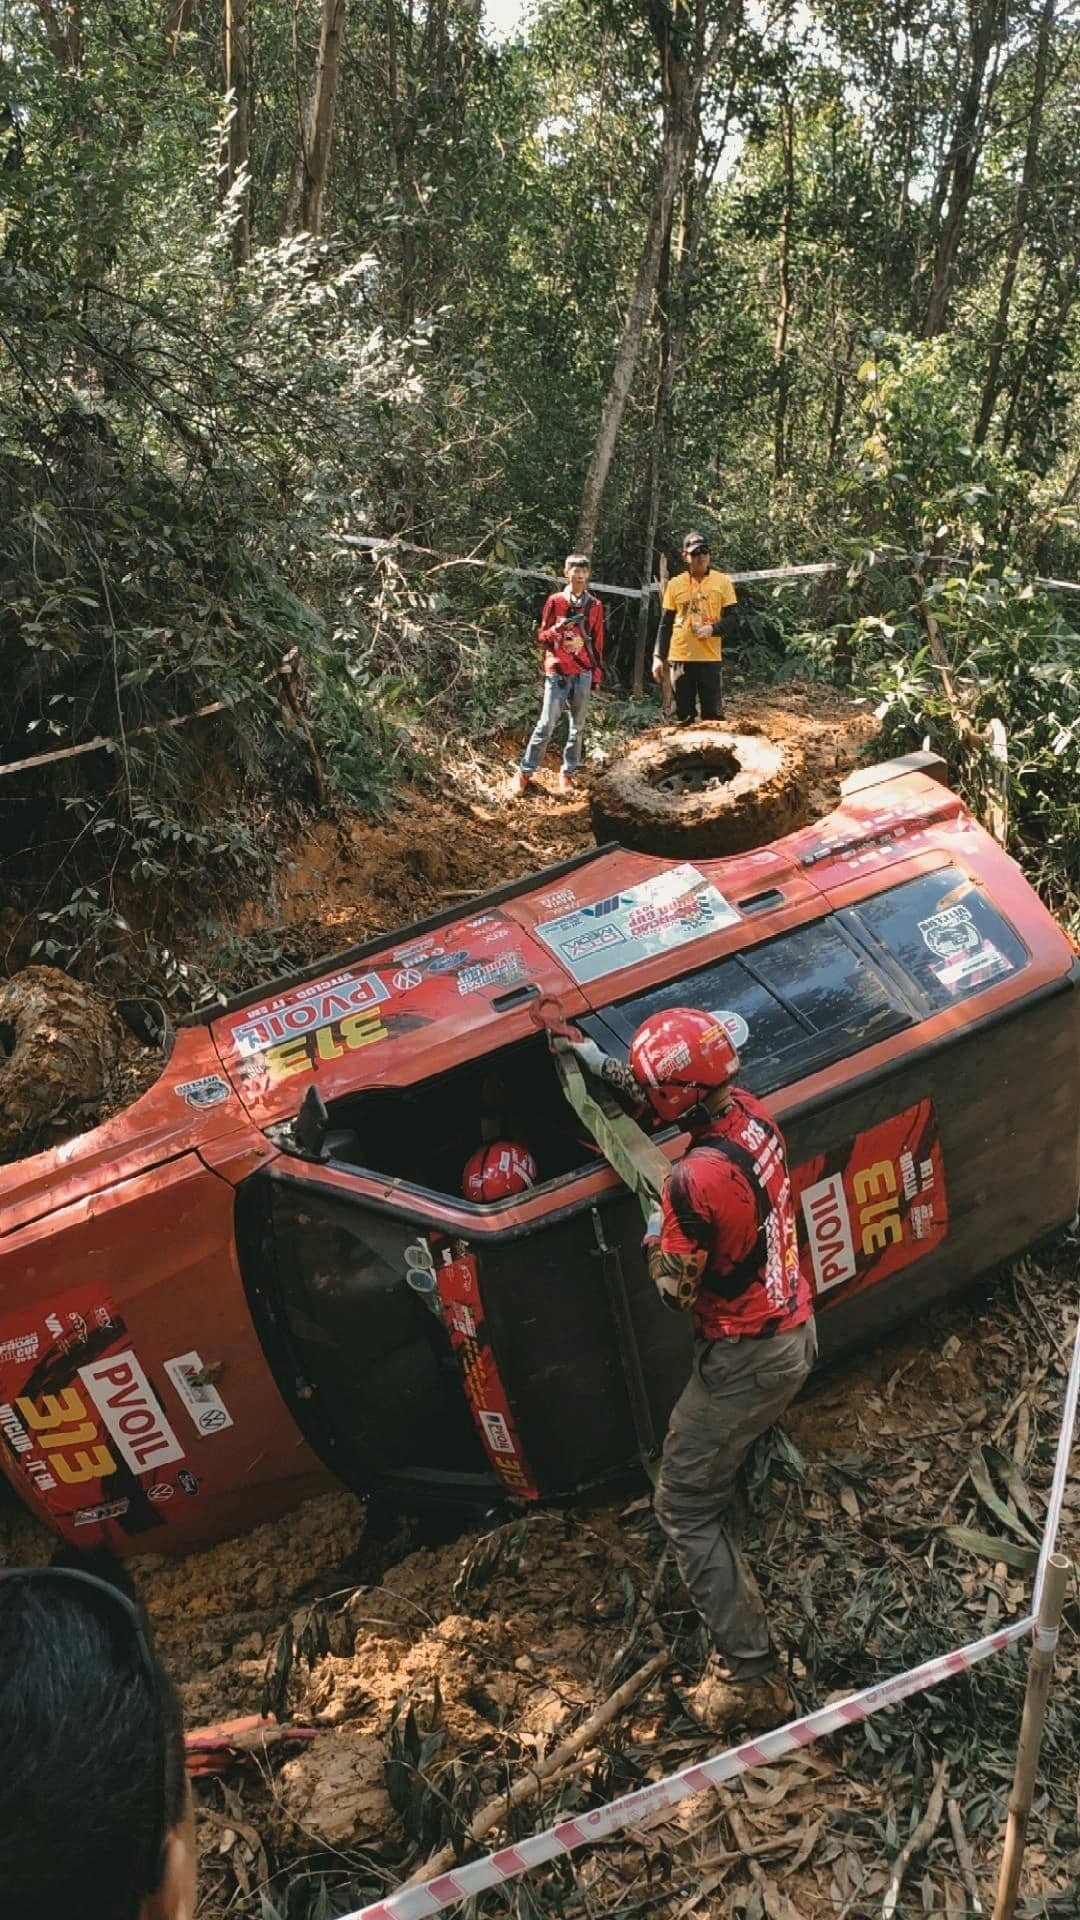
[723, 1247]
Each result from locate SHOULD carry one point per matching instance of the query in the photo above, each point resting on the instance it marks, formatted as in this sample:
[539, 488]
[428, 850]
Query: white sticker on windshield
[668, 911]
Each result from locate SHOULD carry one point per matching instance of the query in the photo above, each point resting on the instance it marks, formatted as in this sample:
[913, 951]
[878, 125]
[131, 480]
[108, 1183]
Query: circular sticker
[405, 979]
[160, 1492]
[738, 1030]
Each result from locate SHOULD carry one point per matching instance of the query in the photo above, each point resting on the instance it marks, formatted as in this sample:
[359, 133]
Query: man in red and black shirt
[572, 637]
[723, 1247]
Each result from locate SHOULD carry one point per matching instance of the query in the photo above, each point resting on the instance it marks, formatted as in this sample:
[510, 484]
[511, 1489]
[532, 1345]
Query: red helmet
[497, 1170]
[679, 1056]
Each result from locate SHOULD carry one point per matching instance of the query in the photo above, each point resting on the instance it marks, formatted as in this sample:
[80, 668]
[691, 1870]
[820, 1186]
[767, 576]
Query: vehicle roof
[455, 988]
[423, 1001]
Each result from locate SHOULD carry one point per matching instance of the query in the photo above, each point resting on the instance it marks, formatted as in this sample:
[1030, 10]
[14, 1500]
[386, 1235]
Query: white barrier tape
[1045, 1639]
[102, 740]
[369, 544]
[432, 1896]
[1061, 1472]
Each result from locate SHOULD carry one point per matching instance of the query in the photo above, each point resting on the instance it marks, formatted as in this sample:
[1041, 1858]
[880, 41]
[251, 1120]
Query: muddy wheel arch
[700, 792]
[58, 1048]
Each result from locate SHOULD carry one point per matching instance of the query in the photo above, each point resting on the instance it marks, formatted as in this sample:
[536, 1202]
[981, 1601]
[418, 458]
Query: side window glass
[760, 1026]
[944, 932]
[826, 981]
[791, 1005]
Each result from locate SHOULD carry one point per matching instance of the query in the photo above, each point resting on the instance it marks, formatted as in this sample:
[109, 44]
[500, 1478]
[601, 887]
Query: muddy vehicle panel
[264, 1271]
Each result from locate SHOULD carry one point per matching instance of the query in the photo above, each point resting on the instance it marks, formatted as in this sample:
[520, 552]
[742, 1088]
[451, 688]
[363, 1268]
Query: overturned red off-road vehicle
[234, 1289]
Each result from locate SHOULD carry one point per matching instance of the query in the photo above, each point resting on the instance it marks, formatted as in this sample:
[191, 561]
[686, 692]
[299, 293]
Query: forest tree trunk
[682, 90]
[962, 162]
[783, 314]
[238, 151]
[1018, 226]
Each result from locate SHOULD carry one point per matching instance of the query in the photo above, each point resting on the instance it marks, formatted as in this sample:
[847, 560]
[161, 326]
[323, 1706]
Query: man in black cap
[698, 612]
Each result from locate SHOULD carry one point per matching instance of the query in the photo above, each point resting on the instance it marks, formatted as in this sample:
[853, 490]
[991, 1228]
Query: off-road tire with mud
[699, 792]
[58, 1048]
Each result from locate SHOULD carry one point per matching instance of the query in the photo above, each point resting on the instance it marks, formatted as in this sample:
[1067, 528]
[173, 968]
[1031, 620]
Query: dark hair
[92, 1779]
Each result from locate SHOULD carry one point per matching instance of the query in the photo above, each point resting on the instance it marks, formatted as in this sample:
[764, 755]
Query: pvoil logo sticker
[873, 1205]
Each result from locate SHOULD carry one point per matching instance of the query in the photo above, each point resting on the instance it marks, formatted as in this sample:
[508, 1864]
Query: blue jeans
[562, 692]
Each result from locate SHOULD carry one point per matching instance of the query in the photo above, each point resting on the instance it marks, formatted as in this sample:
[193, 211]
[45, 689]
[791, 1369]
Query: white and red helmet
[497, 1170]
[681, 1056]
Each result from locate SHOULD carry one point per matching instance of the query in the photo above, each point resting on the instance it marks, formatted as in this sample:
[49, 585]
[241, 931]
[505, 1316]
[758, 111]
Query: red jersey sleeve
[708, 1207]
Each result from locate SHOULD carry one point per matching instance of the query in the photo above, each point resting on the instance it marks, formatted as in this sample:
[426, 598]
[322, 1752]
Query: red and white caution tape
[415, 1903]
[1061, 1471]
[476, 1876]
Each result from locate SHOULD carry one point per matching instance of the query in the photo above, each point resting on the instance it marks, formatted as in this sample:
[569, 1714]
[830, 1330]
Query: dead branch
[920, 1839]
[964, 1857]
[496, 1810]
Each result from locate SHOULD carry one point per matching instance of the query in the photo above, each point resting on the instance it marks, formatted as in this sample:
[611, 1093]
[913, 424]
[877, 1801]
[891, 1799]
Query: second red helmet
[679, 1057]
[494, 1172]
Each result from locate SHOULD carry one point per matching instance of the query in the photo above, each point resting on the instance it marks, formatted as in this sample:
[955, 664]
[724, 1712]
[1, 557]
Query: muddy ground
[437, 1674]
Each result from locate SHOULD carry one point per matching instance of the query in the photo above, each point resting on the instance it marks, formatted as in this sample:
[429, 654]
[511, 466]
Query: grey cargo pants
[737, 1388]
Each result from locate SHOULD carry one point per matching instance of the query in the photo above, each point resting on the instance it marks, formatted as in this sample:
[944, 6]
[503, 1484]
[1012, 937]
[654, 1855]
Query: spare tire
[58, 1048]
[698, 792]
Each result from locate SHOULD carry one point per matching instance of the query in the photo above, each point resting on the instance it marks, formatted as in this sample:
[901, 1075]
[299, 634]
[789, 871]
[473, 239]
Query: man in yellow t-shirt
[693, 624]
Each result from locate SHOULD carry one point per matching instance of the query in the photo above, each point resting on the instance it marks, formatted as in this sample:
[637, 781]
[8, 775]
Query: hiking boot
[566, 781]
[519, 783]
[752, 1705]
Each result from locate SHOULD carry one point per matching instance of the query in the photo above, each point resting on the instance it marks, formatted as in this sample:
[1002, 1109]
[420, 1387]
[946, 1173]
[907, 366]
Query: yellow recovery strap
[639, 1164]
[643, 1168]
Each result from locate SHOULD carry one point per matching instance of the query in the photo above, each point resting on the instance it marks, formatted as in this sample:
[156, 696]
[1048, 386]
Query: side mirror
[312, 1125]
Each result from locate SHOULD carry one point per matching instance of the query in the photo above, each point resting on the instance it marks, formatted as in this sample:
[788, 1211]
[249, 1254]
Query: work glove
[589, 1055]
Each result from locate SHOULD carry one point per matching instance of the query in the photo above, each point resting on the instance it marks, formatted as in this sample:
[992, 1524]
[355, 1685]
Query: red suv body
[208, 1311]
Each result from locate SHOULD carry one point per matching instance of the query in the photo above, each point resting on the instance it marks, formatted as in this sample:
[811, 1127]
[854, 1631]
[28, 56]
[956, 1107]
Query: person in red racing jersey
[722, 1246]
[572, 637]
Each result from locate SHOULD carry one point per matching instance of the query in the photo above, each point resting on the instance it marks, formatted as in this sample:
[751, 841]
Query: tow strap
[639, 1164]
[643, 1168]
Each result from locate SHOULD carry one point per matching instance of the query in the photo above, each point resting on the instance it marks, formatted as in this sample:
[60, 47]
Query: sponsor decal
[440, 962]
[584, 944]
[415, 954]
[875, 1204]
[105, 1510]
[127, 1404]
[463, 1317]
[405, 979]
[968, 960]
[562, 897]
[75, 1435]
[501, 972]
[737, 1030]
[309, 1011]
[187, 1482]
[671, 1060]
[950, 933]
[24, 1347]
[200, 1398]
[657, 916]
[161, 1491]
[828, 1227]
[210, 1091]
[257, 1076]
[498, 1434]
